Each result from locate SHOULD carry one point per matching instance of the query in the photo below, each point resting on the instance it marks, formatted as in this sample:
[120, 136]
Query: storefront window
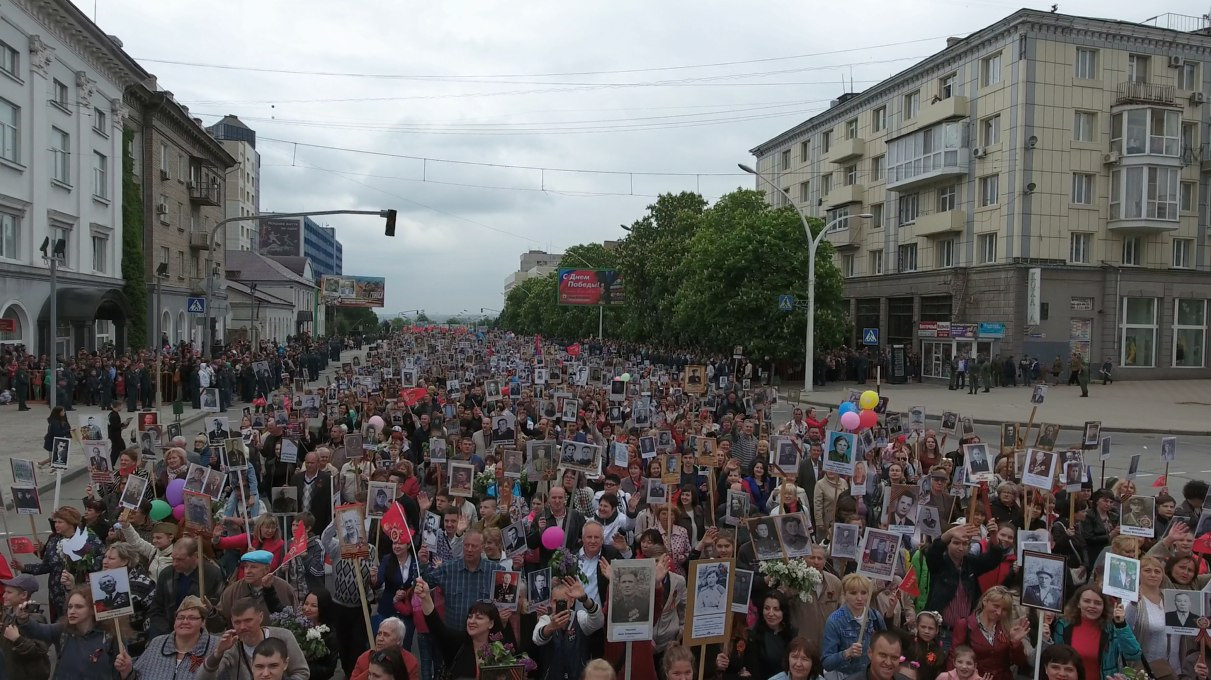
[1139, 332]
[1190, 333]
[936, 359]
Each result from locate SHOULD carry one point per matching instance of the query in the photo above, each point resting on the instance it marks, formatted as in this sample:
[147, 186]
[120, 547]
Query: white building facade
[242, 190]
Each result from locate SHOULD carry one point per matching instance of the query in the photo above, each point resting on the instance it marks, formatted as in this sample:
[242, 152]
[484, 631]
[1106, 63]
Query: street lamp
[813, 243]
[55, 253]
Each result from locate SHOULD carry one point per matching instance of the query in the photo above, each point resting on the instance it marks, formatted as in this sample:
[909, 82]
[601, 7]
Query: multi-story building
[277, 279]
[242, 190]
[1037, 187]
[61, 116]
[534, 263]
[179, 167]
[302, 237]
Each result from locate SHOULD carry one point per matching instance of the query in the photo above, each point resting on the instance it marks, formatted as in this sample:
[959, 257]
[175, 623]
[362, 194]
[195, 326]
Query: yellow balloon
[869, 399]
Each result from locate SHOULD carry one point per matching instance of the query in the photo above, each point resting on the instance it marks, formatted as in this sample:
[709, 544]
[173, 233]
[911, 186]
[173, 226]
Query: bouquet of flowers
[794, 575]
[564, 564]
[500, 654]
[309, 636]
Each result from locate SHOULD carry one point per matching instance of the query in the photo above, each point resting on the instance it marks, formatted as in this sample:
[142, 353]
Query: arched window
[182, 326]
[14, 326]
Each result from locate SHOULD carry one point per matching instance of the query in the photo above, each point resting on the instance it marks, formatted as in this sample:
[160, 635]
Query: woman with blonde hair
[265, 536]
[787, 500]
[997, 644]
[849, 629]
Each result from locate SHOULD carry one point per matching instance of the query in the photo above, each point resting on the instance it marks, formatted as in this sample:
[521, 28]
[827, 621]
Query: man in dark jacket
[24, 657]
[557, 513]
[314, 487]
[174, 585]
[953, 571]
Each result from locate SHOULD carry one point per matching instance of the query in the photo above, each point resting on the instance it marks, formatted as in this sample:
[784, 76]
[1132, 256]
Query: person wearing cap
[271, 592]
[24, 657]
[158, 551]
[66, 520]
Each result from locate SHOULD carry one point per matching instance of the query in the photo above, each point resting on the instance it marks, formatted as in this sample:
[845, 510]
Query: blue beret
[258, 556]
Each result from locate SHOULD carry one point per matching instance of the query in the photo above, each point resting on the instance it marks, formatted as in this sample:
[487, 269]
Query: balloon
[626, 377]
[850, 420]
[869, 399]
[847, 407]
[868, 419]
[179, 512]
[160, 510]
[377, 423]
[552, 538]
[173, 492]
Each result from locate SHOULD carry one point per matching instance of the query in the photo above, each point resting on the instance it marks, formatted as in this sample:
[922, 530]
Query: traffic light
[391, 222]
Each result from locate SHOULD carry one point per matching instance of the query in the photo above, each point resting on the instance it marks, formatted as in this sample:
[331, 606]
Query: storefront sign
[1081, 304]
[927, 329]
[1034, 296]
[991, 329]
[962, 330]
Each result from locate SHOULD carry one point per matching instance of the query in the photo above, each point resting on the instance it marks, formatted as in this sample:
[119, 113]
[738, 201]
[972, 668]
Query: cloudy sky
[538, 91]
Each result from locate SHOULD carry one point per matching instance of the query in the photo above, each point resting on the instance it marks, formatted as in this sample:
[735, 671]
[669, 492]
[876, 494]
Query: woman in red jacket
[997, 644]
[1006, 538]
[264, 537]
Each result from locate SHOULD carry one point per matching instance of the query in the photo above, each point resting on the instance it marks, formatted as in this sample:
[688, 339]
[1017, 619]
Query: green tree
[423, 318]
[353, 319]
[134, 264]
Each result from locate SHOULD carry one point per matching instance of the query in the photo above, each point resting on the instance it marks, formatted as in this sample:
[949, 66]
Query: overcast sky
[634, 86]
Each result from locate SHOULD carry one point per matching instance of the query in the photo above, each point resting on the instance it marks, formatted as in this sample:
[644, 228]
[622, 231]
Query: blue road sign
[196, 305]
[786, 303]
[870, 336]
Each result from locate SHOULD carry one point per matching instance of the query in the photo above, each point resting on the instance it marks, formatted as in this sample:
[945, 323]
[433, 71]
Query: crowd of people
[415, 515]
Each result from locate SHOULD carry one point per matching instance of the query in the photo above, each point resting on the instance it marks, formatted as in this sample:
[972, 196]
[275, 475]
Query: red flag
[298, 544]
[1203, 544]
[1160, 481]
[574, 350]
[395, 524]
[538, 343]
[20, 545]
[412, 395]
[909, 584]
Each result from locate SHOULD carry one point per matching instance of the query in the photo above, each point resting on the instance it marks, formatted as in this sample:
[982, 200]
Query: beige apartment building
[1037, 187]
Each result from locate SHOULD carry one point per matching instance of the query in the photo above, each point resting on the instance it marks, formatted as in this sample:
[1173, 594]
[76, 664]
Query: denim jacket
[840, 632]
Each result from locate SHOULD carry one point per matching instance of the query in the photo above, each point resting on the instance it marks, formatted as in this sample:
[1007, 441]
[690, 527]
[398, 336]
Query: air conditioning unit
[163, 173]
[162, 209]
[1197, 98]
[1111, 158]
[1176, 62]
[979, 152]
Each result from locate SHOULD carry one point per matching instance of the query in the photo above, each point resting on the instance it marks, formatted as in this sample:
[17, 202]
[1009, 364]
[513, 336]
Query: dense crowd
[461, 505]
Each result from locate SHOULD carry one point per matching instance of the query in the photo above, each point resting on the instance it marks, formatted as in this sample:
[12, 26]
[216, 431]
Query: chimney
[951, 42]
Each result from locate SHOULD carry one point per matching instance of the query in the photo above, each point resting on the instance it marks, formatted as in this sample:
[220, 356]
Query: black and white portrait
[209, 399]
[1043, 581]
[793, 530]
[217, 430]
[877, 558]
[632, 596]
[979, 466]
[132, 494]
[379, 497]
[1168, 449]
[845, 541]
[763, 532]
[1093, 434]
[26, 501]
[23, 472]
[540, 587]
[59, 453]
[111, 593]
[737, 510]
[1138, 517]
[1038, 394]
[1183, 608]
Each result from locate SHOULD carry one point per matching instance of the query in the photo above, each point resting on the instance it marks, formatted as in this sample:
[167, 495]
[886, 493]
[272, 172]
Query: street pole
[158, 347]
[813, 243]
[53, 396]
[600, 318]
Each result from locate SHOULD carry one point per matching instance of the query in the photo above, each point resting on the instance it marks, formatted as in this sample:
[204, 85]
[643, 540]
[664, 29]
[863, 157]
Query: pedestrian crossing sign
[870, 336]
[196, 305]
[786, 303]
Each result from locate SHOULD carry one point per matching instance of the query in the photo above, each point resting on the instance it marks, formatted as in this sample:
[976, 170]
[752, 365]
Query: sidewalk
[1179, 407]
[24, 431]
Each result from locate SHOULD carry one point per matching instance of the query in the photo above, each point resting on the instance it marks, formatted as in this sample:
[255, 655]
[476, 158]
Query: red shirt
[1086, 639]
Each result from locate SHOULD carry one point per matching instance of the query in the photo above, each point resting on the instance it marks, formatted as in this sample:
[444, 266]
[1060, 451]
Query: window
[878, 166]
[826, 141]
[100, 175]
[851, 128]
[847, 265]
[838, 218]
[876, 262]
[804, 191]
[826, 183]
[946, 86]
[931, 151]
[906, 258]
[10, 60]
[878, 119]
[10, 131]
[876, 216]
[1082, 188]
[989, 190]
[100, 122]
[9, 229]
[803, 151]
[945, 251]
[1146, 131]
[909, 207]
[59, 92]
[180, 264]
[1086, 64]
[1144, 192]
[912, 105]
[100, 253]
[1189, 333]
[1139, 332]
[1078, 247]
[1189, 140]
[987, 244]
[1186, 199]
[1181, 252]
[947, 198]
[851, 175]
[990, 130]
[163, 160]
[164, 255]
[990, 70]
[1133, 250]
[60, 155]
[1187, 76]
[1084, 126]
[1137, 68]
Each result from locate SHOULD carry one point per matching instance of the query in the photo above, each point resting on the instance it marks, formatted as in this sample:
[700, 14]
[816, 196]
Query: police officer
[21, 386]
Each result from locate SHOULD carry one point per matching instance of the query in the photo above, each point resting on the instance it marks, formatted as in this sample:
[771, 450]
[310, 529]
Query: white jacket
[156, 559]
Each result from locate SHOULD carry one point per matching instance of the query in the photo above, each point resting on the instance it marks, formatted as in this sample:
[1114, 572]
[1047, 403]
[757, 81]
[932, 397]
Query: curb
[1105, 427]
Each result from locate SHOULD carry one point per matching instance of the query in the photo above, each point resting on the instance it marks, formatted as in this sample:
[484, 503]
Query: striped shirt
[463, 587]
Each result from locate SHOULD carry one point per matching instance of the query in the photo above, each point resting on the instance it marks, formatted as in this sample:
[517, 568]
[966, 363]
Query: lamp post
[53, 253]
[158, 347]
[813, 242]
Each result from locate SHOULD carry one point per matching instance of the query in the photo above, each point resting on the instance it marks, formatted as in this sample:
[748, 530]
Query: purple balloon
[173, 493]
[850, 421]
[552, 538]
[179, 512]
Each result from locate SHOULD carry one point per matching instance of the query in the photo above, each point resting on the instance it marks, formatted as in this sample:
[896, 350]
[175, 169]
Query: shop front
[943, 340]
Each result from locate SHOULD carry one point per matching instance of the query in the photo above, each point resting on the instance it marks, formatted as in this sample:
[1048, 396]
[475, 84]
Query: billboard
[280, 237]
[353, 291]
[590, 287]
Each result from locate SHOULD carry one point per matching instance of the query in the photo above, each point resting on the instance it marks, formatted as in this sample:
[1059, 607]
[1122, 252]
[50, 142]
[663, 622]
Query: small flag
[298, 543]
[1203, 544]
[20, 545]
[395, 524]
[574, 350]
[1160, 482]
[412, 395]
[909, 584]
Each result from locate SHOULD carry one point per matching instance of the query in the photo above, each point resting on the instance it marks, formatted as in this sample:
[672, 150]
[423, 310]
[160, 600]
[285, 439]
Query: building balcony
[941, 224]
[847, 149]
[940, 110]
[847, 237]
[199, 241]
[842, 195]
[204, 194]
[1144, 226]
[1146, 93]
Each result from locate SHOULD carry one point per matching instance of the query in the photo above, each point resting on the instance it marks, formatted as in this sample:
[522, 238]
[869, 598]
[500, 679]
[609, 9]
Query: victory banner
[353, 291]
[590, 287]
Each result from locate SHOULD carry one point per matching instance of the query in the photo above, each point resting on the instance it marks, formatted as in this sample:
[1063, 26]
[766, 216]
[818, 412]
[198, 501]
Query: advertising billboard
[590, 287]
[353, 291]
[280, 237]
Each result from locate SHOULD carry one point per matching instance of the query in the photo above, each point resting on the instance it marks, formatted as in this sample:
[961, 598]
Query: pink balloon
[868, 419]
[850, 420]
[377, 423]
[552, 538]
[179, 511]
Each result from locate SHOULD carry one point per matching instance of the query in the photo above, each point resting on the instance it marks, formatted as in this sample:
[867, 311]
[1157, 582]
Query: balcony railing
[204, 194]
[1146, 93]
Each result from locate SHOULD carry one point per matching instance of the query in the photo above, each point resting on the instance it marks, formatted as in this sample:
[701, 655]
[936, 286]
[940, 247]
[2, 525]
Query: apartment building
[1037, 187]
[533, 263]
[242, 190]
[61, 117]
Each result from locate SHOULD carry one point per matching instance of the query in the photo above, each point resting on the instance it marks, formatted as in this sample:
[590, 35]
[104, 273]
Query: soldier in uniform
[21, 387]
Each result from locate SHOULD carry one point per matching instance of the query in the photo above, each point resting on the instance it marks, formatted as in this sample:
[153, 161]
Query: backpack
[921, 568]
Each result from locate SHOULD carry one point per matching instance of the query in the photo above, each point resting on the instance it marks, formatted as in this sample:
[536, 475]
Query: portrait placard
[708, 607]
[632, 600]
[111, 593]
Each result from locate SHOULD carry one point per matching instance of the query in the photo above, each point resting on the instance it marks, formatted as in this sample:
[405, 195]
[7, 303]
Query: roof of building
[243, 265]
[295, 263]
[260, 295]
